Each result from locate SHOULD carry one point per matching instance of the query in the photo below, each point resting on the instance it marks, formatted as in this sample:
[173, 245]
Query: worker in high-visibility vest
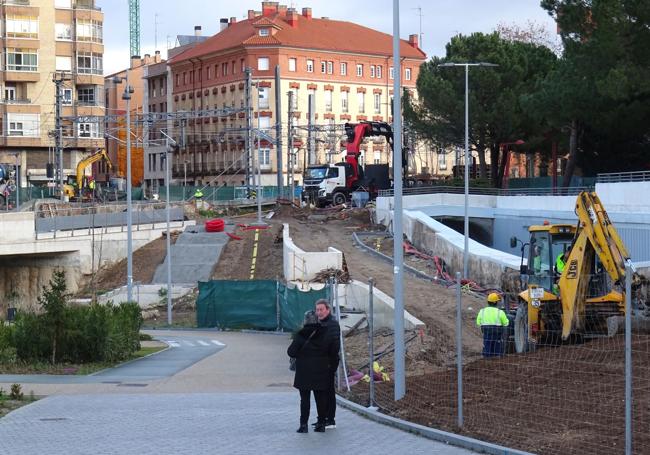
[560, 262]
[492, 321]
[198, 194]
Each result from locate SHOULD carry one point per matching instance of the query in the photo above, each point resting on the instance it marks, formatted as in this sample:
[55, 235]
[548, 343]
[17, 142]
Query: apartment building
[346, 67]
[43, 40]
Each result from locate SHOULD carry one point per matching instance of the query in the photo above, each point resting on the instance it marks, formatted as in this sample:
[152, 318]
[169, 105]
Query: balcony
[16, 2]
[87, 4]
[16, 101]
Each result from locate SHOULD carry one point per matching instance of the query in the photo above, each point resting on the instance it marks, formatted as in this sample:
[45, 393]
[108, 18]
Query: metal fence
[617, 177]
[591, 396]
[571, 191]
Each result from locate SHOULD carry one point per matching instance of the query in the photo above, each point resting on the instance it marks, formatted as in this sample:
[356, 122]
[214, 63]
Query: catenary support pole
[459, 348]
[168, 240]
[466, 219]
[398, 251]
[129, 207]
[278, 129]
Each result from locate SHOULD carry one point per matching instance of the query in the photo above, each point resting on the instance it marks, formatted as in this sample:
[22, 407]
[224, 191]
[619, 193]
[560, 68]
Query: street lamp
[506, 170]
[165, 156]
[466, 224]
[126, 96]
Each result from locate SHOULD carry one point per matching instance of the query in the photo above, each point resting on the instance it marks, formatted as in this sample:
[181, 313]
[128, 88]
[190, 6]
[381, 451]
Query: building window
[178, 80]
[63, 3]
[233, 67]
[294, 99]
[242, 65]
[10, 93]
[292, 64]
[22, 27]
[263, 63]
[264, 32]
[344, 69]
[377, 103]
[323, 67]
[328, 100]
[88, 30]
[23, 125]
[264, 123]
[208, 73]
[265, 158]
[372, 71]
[91, 63]
[377, 158]
[330, 67]
[86, 96]
[63, 32]
[359, 70]
[442, 160]
[22, 60]
[407, 74]
[344, 101]
[224, 69]
[263, 99]
[310, 66]
[361, 101]
[63, 63]
[392, 73]
[379, 71]
[88, 130]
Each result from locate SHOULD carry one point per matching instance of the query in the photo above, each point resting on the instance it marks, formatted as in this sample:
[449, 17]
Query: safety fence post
[628, 359]
[277, 304]
[459, 349]
[371, 343]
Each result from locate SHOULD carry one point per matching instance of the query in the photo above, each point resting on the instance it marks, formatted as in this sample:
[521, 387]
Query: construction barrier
[254, 304]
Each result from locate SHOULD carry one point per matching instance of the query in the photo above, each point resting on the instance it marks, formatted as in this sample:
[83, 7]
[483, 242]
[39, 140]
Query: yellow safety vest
[492, 315]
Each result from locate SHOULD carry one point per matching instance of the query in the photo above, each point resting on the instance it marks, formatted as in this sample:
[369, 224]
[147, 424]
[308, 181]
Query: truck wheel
[521, 329]
[338, 199]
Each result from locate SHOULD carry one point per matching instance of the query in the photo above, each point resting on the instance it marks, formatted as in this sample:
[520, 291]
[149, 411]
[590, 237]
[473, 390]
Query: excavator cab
[547, 242]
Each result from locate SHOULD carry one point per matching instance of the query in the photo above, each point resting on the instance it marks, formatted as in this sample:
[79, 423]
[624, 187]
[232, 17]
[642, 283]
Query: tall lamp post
[466, 224]
[126, 96]
[506, 169]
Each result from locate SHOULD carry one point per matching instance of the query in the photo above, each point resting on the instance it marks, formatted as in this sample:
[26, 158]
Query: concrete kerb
[429, 433]
[133, 360]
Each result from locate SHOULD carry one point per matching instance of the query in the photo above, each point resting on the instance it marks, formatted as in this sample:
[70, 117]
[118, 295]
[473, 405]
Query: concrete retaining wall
[303, 266]
[145, 294]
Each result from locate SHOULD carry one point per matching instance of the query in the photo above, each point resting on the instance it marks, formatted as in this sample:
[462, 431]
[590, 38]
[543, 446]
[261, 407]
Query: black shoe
[319, 427]
[330, 424]
[302, 429]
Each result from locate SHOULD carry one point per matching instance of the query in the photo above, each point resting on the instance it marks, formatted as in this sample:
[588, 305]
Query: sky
[441, 19]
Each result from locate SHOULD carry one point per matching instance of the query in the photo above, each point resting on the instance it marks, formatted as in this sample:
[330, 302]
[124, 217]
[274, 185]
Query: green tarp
[258, 304]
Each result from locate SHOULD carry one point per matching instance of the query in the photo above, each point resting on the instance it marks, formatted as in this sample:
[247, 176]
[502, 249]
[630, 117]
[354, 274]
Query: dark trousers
[331, 398]
[492, 341]
[321, 405]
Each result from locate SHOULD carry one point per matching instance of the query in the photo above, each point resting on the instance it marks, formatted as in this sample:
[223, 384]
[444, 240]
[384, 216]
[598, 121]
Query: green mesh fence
[257, 304]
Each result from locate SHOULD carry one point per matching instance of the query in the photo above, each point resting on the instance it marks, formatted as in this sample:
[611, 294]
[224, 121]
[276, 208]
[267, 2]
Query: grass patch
[14, 399]
[69, 368]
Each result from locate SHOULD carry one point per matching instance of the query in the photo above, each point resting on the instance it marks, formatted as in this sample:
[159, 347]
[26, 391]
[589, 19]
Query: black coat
[309, 348]
[332, 340]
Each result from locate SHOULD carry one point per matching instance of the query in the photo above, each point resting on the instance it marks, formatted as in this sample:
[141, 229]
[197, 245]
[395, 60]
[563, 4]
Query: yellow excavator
[576, 279]
[74, 187]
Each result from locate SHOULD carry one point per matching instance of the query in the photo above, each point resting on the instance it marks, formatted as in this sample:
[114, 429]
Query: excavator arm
[595, 237]
[83, 164]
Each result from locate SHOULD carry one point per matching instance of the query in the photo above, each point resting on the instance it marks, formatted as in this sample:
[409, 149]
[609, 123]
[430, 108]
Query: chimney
[147, 59]
[156, 57]
[413, 41]
[223, 24]
[306, 12]
[282, 10]
[233, 21]
[269, 8]
[251, 14]
[292, 17]
[197, 30]
[135, 61]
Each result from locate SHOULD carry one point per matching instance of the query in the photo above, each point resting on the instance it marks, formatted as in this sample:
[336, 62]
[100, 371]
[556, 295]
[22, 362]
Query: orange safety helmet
[493, 297]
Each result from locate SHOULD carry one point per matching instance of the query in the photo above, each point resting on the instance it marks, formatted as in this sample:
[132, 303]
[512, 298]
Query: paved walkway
[215, 423]
[238, 400]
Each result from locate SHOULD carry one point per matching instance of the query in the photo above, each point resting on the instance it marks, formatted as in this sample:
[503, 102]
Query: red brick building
[347, 67]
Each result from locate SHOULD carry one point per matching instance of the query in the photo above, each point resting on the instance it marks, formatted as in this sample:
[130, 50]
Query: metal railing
[16, 101]
[617, 177]
[571, 191]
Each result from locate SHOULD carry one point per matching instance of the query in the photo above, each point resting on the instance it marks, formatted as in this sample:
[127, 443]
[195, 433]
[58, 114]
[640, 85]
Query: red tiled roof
[323, 34]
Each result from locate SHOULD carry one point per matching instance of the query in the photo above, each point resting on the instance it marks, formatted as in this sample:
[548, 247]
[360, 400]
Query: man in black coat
[310, 349]
[333, 343]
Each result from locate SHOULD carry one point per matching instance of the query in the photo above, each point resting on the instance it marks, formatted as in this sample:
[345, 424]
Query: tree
[599, 93]
[54, 301]
[496, 114]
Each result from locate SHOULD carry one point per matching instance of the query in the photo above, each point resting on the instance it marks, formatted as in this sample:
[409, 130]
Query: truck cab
[325, 184]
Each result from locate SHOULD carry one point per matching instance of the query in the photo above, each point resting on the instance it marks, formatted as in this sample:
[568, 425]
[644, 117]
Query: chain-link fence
[558, 397]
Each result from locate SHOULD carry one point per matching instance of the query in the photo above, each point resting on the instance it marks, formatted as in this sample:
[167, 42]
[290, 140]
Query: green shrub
[30, 337]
